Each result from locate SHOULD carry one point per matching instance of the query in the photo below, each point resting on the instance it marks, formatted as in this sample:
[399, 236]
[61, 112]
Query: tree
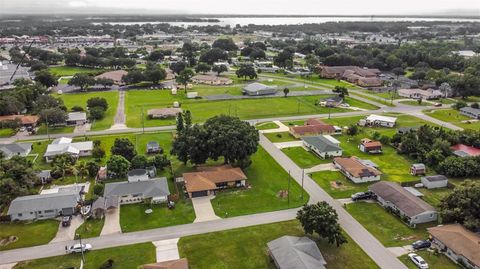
[352, 130]
[46, 78]
[459, 104]
[178, 67]
[63, 164]
[96, 113]
[47, 101]
[180, 124]
[219, 68]
[398, 71]
[225, 44]
[155, 73]
[285, 92]
[342, 91]
[105, 82]
[213, 55]
[133, 77]
[98, 189]
[461, 205]
[82, 169]
[246, 71]
[139, 162]
[118, 166]
[98, 152]
[82, 80]
[77, 109]
[322, 219]
[160, 161]
[97, 102]
[53, 116]
[92, 167]
[203, 68]
[124, 147]
[185, 77]
[284, 59]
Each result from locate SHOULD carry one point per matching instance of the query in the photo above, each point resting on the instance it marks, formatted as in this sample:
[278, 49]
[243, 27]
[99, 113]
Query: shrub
[98, 189]
[77, 108]
[96, 113]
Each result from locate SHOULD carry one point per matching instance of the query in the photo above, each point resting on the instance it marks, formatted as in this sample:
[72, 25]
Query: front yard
[247, 248]
[90, 228]
[280, 137]
[266, 126]
[454, 117]
[335, 184]
[437, 261]
[303, 158]
[28, 233]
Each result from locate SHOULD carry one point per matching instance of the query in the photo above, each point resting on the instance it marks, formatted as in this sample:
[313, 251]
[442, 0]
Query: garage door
[199, 193]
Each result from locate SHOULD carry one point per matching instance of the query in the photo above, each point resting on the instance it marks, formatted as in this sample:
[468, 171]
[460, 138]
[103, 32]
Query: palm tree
[82, 169]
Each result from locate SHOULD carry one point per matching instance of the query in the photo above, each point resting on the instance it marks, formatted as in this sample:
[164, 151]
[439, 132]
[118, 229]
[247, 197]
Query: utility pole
[303, 175]
[143, 121]
[329, 111]
[288, 191]
[46, 121]
[81, 247]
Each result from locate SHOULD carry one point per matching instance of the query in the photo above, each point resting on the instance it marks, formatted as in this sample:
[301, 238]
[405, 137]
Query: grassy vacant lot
[414, 103]
[267, 178]
[386, 227]
[454, 117]
[130, 256]
[42, 130]
[266, 126]
[247, 248]
[328, 181]
[133, 217]
[90, 228]
[80, 99]
[203, 109]
[71, 70]
[7, 132]
[280, 137]
[303, 158]
[369, 96]
[28, 234]
[438, 261]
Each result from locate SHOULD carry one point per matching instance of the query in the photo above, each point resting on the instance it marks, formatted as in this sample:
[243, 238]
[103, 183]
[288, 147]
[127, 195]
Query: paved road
[382, 256]
[113, 240]
[120, 116]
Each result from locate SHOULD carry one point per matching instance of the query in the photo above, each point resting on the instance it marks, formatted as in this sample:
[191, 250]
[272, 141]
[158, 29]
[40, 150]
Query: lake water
[232, 21]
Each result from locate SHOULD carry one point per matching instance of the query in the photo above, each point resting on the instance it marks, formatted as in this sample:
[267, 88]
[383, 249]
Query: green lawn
[386, 227]
[267, 178]
[130, 256]
[42, 129]
[454, 117]
[434, 196]
[280, 137]
[415, 103]
[7, 132]
[266, 126]
[370, 97]
[71, 70]
[247, 248]
[303, 158]
[28, 233]
[337, 185]
[436, 261]
[80, 99]
[90, 228]
[133, 217]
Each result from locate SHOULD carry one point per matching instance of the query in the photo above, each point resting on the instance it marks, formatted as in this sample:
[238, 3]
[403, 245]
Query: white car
[418, 261]
[77, 248]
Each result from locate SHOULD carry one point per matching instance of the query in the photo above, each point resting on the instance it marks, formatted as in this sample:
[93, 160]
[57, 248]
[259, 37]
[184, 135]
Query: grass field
[280, 137]
[7, 132]
[386, 227]
[130, 256]
[303, 158]
[266, 126]
[337, 185]
[246, 248]
[267, 178]
[28, 234]
[90, 228]
[80, 99]
[415, 103]
[42, 130]
[438, 261]
[454, 117]
[61, 71]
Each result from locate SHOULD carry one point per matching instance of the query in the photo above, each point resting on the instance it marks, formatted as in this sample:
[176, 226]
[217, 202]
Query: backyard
[247, 248]
[28, 233]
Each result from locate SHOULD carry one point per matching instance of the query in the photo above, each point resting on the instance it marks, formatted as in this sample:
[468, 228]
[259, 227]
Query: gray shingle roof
[148, 188]
[15, 149]
[258, 87]
[321, 143]
[470, 110]
[41, 202]
[291, 252]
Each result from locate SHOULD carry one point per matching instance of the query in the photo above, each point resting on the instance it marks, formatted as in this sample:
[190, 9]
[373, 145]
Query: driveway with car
[68, 233]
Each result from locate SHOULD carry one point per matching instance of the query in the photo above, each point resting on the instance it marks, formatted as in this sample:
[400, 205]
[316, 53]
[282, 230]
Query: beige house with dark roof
[163, 113]
[209, 179]
[211, 80]
[357, 170]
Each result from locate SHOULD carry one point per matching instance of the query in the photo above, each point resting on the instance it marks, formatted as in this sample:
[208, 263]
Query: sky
[298, 7]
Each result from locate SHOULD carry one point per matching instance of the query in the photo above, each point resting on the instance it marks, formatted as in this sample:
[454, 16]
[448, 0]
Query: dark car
[66, 220]
[421, 244]
[362, 196]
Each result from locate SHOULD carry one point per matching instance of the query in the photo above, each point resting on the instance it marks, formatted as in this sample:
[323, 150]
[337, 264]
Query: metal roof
[321, 143]
[41, 202]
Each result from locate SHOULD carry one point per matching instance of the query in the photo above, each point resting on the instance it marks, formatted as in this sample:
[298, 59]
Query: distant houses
[364, 77]
[428, 94]
[357, 170]
[163, 113]
[378, 120]
[314, 127]
[27, 121]
[370, 146]
[64, 145]
[462, 150]
[473, 113]
[116, 76]
[254, 89]
[324, 146]
[211, 80]
[208, 180]
[403, 203]
[15, 149]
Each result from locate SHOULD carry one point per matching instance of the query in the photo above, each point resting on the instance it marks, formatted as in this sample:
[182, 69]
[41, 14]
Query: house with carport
[208, 180]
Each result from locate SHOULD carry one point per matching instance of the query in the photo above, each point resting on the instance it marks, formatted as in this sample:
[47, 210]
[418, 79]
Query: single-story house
[163, 113]
[292, 252]
[378, 120]
[102, 204]
[433, 182]
[15, 149]
[210, 179]
[153, 147]
[370, 146]
[76, 118]
[324, 146]
[44, 176]
[470, 112]
[405, 204]
[116, 76]
[332, 101]
[313, 127]
[458, 243]
[364, 77]
[428, 94]
[136, 192]
[28, 121]
[65, 145]
[369, 82]
[356, 170]
[462, 150]
[172, 264]
[418, 169]
[259, 89]
[43, 206]
[211, 80]
[137, 175]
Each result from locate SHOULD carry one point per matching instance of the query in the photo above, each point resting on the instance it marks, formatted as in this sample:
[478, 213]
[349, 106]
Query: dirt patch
[282, 194]
[337, 185]
[408, 238]
[4, 241]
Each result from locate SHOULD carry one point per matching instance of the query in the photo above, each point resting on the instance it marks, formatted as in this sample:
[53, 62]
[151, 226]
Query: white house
[65, 145]
[76, 118]
[470, 112]
[433, 182]
[378, 120]
[324, 145]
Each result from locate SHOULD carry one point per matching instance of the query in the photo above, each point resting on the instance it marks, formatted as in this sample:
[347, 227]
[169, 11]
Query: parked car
[66, 221]
[421, 244]
[362, 196]
[77, 248]
[437, 104]
[418, 261]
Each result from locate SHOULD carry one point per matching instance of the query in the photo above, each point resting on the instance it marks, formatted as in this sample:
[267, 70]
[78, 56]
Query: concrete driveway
[289, 144]
[203, 209]
[321, 167]
[281, 128]
[167, 250]
[112, 222]
[68, 233]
